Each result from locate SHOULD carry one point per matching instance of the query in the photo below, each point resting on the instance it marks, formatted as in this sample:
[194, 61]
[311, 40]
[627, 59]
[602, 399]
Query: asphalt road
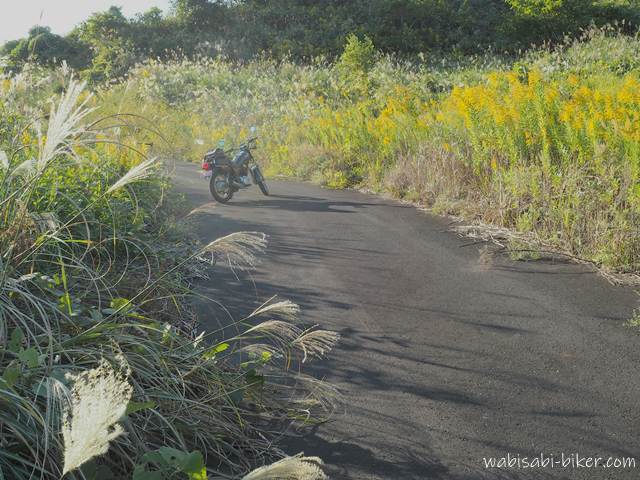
[445, 359]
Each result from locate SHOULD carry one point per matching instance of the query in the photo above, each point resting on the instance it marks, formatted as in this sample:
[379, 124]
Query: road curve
[444, 359]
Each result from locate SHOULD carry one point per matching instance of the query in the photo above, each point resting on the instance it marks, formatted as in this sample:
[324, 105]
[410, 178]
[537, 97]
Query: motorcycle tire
[262, 184]
[220, 197]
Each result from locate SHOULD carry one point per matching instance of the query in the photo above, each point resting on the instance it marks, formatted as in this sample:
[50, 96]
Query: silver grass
[258, 349]
[99, 399]
[241, 249]
[313, 394]
[297, 467]
[316, 343]
[277, 329]
[4, 160]
[285, 309]
[135, 174]
[64, 123]
[25, 168]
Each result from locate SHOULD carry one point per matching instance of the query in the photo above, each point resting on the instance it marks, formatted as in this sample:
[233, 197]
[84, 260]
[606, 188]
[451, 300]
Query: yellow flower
[528, 138]
[551, 94]
[534, 77]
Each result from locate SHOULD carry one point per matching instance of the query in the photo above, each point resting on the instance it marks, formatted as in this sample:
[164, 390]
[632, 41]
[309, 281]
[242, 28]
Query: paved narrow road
[444, 359]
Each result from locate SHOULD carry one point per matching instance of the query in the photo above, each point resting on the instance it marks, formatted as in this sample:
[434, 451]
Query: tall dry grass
[101, 372]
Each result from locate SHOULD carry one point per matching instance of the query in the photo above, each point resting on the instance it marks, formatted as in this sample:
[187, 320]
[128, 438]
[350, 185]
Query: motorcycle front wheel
[220, 187]
[259, 178]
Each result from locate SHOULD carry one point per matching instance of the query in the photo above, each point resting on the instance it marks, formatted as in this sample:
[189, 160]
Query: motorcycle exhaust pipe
[240, 184]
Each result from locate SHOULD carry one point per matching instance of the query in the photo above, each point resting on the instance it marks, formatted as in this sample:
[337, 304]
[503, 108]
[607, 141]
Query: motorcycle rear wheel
[217, 178]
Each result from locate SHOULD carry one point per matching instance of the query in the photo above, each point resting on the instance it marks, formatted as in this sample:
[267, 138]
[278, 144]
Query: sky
[18, 16]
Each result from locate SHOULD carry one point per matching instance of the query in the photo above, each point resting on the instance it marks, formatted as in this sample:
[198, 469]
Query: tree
[109, 36]
[153, 16]
[46, 48]
[357, 59]
[546, 7]
[110, 43]
[200, 13]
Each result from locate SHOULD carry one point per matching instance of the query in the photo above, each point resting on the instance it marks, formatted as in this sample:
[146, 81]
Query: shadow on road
[441, 362]
[345, 457]
[301, 204]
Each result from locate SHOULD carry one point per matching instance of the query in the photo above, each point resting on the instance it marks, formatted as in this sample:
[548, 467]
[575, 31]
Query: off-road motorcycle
[227, 174]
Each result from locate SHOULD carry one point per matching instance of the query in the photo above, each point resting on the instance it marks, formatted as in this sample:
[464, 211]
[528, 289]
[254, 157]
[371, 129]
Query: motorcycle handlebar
[249, 142]
[245, 144]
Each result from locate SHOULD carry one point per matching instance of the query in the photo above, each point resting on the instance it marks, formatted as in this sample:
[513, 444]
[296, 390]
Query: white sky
[18, 16]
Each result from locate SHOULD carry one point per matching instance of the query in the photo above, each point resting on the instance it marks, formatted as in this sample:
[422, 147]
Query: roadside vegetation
[102, 372]
[546, 144]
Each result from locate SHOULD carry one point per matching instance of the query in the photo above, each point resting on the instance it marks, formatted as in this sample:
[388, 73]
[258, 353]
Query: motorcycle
[228, 175]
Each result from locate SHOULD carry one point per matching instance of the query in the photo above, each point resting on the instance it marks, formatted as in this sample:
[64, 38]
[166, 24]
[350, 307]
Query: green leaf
[155, 458]
[65, 300]
[121, 305]
[64, 303]
[15, 343]
[193, 466]
[11, 374]
[29, 357]
[134, 407]
[169, 460]
[190, 463]
[212, 352]
[60, 374]
[237, 396]
[171, 456]
[141, 473]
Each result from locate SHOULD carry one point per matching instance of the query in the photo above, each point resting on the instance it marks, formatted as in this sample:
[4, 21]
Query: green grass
[94, 301]
[634, 321]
